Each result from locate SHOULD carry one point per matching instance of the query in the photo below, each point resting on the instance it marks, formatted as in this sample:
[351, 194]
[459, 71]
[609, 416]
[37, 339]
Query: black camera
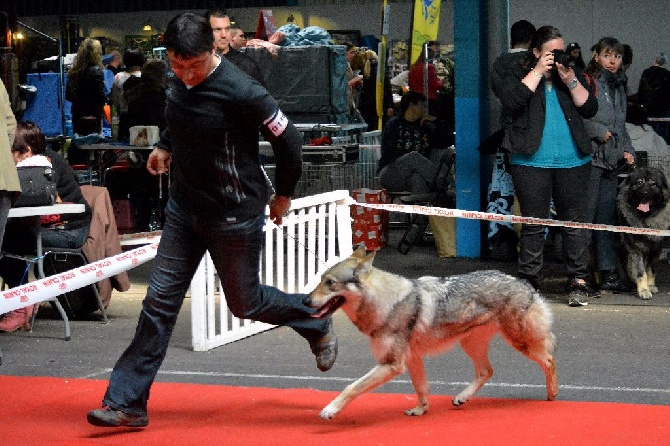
[563, 58]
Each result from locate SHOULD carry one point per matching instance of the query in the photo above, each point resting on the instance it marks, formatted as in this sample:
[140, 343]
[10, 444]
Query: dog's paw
[416, 412]
[653, 289]
[328, 412]
[644, 294]
[458, 401]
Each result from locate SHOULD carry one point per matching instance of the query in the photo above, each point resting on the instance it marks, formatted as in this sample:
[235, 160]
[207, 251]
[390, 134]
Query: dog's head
[340, 283]
[646, 190]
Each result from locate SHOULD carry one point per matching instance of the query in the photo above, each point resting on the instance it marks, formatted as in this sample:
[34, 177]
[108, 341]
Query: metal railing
[315, 235]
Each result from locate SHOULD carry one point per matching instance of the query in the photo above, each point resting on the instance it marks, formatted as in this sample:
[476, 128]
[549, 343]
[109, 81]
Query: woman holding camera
[612, 150]
[550, 154]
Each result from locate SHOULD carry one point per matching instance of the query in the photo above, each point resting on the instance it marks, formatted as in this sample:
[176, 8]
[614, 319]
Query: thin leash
[274, 192]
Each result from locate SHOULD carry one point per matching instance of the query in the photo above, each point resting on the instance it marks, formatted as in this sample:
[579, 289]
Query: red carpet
[37, 411]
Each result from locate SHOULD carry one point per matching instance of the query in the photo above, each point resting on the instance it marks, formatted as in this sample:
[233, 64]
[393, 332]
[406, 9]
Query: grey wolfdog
[406, 319]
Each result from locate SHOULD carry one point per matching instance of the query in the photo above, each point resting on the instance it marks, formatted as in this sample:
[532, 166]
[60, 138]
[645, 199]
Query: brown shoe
[107, 417]
[325, 349]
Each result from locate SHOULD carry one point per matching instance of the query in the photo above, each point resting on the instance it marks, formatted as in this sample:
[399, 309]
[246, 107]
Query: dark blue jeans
[535, 187]
[235, 249]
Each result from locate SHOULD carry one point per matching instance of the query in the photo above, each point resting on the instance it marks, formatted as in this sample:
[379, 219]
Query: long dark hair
[606, 43]
[29, 134]
[543, 35]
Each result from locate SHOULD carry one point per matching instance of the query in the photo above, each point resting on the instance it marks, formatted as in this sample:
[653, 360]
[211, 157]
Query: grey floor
[615, 349]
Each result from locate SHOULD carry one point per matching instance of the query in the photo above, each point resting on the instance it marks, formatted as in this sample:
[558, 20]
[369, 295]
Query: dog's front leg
[374, 378]
[417, 373]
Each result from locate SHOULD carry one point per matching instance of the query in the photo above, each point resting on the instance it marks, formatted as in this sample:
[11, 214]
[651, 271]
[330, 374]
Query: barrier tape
[52, 286]
[140, 238]
[475, 215]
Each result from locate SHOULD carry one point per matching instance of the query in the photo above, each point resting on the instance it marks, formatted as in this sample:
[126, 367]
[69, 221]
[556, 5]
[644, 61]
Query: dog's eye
[329, 282]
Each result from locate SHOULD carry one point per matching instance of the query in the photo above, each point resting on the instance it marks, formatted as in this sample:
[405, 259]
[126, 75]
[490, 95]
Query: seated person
[64, 231]
[410, 158]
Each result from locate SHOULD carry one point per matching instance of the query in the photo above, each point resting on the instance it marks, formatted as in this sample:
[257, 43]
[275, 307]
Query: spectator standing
[367, 63]
[654, 89]
[9, 180]
[86, 88]
[550, 161]
[116, 65]
[133, 59]
[612, 148]
[217, 204]
[220, 22]
[237, 38]
[416, 81]
[575, 53]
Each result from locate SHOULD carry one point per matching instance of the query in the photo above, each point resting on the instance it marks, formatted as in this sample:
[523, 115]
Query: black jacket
[246, 64]
[527, 112]
[88, 98]
[213, 132]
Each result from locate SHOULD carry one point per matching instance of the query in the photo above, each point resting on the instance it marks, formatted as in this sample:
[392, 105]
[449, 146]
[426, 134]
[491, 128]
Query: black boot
[610, 281]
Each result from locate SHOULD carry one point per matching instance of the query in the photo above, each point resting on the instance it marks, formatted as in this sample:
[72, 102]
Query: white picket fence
[315, 236]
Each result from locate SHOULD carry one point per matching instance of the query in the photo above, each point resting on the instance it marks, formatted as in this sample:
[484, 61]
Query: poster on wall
[425, 24]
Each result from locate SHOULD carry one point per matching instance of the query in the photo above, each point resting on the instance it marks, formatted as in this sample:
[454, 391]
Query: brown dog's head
[646, 190]
[339, 283]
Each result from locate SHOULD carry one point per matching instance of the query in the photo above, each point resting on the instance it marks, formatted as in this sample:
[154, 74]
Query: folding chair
[443, 196]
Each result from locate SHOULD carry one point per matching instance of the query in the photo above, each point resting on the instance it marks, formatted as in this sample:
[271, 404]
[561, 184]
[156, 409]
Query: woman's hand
[629, 157]
[544, 64]
[565, 73]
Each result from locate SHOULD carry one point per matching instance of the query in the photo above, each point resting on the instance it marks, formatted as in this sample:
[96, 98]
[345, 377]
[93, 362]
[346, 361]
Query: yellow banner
[425, 25]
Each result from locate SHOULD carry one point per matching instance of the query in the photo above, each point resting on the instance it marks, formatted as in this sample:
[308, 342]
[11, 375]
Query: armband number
[277, 123]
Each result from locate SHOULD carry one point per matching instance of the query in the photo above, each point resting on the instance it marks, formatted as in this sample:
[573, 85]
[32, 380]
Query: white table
[35, 212]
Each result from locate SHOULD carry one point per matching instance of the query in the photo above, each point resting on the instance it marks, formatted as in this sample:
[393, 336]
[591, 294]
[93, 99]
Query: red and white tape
[475, 215]
[52, 286]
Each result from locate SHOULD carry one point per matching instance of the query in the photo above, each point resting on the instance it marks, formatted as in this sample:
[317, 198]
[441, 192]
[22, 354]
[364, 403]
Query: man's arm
[286, 143]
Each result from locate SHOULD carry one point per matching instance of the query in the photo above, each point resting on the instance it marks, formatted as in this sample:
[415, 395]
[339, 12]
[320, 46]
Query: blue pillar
[470, 45]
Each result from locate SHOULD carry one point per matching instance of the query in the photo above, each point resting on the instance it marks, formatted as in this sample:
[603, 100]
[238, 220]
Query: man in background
[116, 65]
[237, 38]
[221, 27]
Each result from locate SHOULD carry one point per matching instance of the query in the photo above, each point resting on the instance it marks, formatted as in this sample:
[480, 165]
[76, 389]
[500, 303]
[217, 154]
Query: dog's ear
[365, 264]
[360, 252]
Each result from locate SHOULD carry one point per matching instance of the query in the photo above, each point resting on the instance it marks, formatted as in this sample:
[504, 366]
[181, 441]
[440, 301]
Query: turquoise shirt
[558, 148]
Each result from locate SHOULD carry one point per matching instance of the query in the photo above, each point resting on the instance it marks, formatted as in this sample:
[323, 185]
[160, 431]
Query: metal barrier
[315, 235]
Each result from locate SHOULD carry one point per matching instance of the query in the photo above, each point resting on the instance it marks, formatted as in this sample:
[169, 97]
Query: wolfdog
[406, 319]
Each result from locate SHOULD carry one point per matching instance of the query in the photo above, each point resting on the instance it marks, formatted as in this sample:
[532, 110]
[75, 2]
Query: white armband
[276, 123]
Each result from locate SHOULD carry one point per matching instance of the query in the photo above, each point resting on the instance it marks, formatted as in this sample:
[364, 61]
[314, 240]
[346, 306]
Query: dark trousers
[535, 187]
[235, 249]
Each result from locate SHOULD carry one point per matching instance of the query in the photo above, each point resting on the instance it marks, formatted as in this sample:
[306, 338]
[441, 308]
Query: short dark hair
[29, 134]
[627, 56]
[216, 12]
[521, 32]
[133, 58]
[409, 98]
[189, 35]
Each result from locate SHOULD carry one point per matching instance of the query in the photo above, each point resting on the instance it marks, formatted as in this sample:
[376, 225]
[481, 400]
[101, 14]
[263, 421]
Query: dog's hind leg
[476, 346]
[417, 373]
[536, 342]
[374, 378]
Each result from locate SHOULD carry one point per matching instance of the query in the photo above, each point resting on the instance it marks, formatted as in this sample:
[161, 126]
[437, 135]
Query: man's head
[521, 33]
[190, 45]
[412, 105]
[219, 22]
[237, 38]
[116, 59]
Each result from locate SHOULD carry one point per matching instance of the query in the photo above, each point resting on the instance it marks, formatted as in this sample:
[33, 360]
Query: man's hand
[159, 161]
[279, 206]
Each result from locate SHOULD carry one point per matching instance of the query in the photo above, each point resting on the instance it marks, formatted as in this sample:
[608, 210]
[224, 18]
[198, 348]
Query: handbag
[37, 186]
